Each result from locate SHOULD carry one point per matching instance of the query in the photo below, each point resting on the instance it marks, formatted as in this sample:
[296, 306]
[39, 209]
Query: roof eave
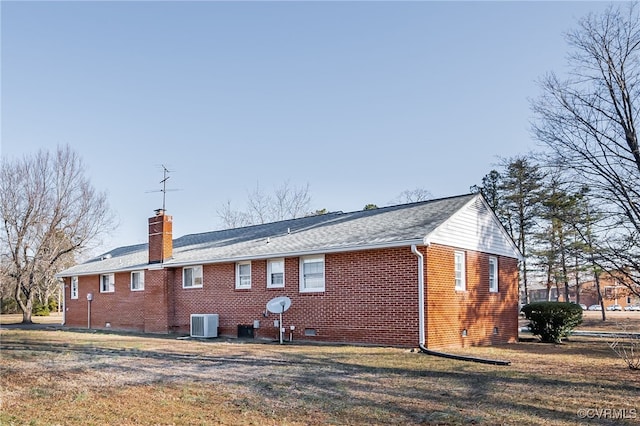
[64, 274]
[404, 243]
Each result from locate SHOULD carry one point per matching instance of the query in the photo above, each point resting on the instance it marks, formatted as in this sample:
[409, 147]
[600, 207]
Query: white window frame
[460, 271]
[74, 287]
[493, 274]
[270, 272]
[140, 274]
[111, 283]
[304, 284]
[197, 278]
[243, 280]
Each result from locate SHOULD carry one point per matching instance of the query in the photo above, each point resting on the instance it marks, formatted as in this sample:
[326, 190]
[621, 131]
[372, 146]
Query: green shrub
[40, 310]
[9, 306]
[552, 321]
[53, 305]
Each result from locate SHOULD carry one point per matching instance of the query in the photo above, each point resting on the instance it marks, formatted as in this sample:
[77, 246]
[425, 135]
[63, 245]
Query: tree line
[574, 208]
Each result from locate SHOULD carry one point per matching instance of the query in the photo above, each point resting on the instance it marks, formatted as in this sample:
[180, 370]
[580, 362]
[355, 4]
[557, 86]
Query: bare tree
[260, 206]
[290, 201]
[232, 218]
[286, 202]
[412, 196]
[588, 121]
[50, 212]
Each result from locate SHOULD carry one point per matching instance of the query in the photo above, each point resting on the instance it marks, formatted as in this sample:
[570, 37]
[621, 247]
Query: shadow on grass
[437, 391]
[598, 347]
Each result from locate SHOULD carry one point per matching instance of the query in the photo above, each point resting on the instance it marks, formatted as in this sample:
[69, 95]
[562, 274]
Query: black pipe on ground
[463, 357]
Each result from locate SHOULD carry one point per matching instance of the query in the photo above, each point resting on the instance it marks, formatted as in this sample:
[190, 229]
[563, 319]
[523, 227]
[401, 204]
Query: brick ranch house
[442, 273]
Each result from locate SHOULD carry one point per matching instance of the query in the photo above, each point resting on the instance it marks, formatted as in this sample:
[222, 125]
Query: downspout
[64, 301]
[421, 332]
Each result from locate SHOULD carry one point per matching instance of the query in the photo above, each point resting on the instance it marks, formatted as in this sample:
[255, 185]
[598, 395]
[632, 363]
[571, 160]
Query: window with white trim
[107, 283]
[243, 275]
[493, 274]
[192, 277]
[312, 274]
[74, 287]
[137, 280]
[460, 271]
[275, 273]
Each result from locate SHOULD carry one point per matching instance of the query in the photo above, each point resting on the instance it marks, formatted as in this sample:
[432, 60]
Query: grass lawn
[92, 378]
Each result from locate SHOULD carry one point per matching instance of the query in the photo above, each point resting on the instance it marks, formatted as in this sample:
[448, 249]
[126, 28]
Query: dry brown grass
[592, 320]
[53, 319]
[68, 378]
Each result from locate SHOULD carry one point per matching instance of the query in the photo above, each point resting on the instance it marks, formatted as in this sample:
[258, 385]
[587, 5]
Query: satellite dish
[278, 305]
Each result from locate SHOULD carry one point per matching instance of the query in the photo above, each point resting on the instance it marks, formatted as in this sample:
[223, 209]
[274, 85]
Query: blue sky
[360, 100]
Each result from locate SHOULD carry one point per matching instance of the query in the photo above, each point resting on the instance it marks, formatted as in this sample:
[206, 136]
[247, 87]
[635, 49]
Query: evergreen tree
[521, 186]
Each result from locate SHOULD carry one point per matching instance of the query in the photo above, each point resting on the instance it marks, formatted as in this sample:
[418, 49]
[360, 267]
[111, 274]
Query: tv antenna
[165, 178]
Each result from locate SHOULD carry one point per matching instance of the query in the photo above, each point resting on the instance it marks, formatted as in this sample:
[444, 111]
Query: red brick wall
[157, 301]
[370, 297]
[123, 309]
[76, 309]
[476, 309]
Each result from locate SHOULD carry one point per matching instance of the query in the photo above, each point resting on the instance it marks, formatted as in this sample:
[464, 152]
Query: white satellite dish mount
[279, 305]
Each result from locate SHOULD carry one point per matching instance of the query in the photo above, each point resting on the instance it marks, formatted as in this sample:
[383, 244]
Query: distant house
[441, 273]
[613, 289]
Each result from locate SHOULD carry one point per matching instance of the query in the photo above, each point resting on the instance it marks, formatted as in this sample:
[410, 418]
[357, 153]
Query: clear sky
[360, 100]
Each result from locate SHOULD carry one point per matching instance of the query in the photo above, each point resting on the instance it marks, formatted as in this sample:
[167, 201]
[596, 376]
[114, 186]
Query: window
[275, 273]
[493, 274]
[192, 277]
[243, 275]
[137, 280]
[74, 287]
[312, 274]
[459, 269]
[107, 283]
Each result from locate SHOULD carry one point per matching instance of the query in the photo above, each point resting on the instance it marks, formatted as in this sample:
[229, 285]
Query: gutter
[170, 263]
[145, 266]
[272, 255]
[64, 303]
[421, 331]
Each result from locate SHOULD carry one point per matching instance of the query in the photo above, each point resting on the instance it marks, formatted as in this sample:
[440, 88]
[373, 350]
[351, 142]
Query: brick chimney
[160, 237]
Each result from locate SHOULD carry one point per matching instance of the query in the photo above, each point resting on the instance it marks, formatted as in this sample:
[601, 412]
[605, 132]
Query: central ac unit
[204, 325]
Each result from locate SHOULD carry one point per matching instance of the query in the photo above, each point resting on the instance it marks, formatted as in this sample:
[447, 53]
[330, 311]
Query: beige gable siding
[475, 227]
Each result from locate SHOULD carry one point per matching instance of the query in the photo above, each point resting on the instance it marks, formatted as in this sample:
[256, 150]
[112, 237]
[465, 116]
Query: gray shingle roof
[387, 226]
